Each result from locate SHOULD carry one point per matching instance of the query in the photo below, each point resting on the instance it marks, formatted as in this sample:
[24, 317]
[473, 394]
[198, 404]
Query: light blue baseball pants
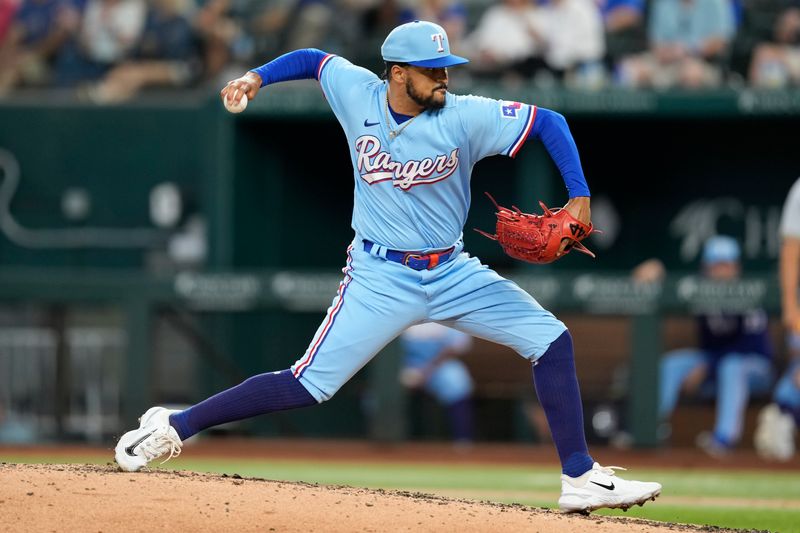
[738, 376]
[378, 299]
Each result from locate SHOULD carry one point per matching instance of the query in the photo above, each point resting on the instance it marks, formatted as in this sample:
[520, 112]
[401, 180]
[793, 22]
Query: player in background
[413, 145]
[733, 359]
[778, 421]
[430, 361]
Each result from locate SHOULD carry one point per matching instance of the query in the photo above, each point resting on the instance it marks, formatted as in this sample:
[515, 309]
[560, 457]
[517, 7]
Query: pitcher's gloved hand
[538, 238]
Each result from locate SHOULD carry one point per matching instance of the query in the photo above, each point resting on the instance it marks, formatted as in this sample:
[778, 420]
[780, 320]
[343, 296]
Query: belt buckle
[415, 257]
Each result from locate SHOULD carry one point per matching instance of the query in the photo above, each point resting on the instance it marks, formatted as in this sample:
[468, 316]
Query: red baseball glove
[537, 238]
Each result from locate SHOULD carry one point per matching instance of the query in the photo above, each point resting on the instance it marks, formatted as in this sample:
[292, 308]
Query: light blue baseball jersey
[413, 192]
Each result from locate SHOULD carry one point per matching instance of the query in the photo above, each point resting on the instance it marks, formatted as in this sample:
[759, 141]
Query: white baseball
[236, 108]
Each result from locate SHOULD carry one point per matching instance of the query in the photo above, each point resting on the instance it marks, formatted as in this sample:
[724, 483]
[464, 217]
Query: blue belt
[415, 260]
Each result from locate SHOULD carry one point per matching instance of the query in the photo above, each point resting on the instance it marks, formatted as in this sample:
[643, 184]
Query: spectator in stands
[218, 32]
[109, 32]
[778, 422]
[309, 24]
[375, 21]
[733, 359]
[625, 34]
[330, 24]
[298, 24]
[430, 362]
[166, 55]
[449, 14]
[506, 40]
[234, 31]
[519, 38]
[379, 17]
[38, 30]
[689, 41]
[8, 9]
[777, 64]
[574, 42]
[737, 11]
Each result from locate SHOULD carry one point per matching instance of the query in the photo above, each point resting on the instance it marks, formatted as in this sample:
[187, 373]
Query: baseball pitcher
[413, 145]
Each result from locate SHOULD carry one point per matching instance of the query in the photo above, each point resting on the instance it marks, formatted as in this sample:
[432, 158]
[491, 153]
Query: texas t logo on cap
[420, 43]
[439, 38]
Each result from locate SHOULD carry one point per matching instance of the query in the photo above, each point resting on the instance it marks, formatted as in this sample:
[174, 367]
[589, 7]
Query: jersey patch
[510, 109]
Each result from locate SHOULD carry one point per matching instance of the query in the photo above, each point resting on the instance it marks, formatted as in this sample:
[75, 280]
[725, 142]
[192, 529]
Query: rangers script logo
[376, 166]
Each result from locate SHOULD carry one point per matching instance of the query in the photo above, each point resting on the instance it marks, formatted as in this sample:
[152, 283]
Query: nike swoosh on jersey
[368, 124]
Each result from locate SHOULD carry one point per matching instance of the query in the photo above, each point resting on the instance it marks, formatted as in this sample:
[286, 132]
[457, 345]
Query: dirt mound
[101, 499]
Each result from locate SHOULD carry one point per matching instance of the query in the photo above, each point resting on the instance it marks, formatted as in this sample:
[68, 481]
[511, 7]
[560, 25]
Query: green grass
[750, 518]
[737, 499]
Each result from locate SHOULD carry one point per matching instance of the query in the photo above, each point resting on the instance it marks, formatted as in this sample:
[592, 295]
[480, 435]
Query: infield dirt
[76, 498]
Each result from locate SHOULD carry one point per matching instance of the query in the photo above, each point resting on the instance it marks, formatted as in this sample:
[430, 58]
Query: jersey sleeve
[790, 218]
[496, 126]
[343, 84]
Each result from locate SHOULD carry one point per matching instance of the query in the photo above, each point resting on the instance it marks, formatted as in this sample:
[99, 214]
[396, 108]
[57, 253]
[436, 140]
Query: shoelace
[154, 447]
[609, 470]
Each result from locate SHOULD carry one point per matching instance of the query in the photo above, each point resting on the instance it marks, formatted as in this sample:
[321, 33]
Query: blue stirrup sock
[258, 395]
[560, 397]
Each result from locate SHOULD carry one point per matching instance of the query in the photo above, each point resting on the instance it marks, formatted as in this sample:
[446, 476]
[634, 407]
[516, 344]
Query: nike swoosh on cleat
[609, 487]
[129, 449]
[368, 124]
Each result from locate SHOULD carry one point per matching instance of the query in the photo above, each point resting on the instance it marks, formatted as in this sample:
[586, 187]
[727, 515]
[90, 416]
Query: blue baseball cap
[721, 249]
[420, 43]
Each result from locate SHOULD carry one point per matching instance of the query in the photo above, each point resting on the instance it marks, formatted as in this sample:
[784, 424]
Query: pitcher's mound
[101, 498]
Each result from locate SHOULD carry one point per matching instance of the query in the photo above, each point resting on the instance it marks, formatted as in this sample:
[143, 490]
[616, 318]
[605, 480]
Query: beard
[427, 102]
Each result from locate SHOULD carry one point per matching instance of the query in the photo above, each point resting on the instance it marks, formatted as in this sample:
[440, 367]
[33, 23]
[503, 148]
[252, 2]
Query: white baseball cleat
[600, 487]
[774, 435]
[154, 438]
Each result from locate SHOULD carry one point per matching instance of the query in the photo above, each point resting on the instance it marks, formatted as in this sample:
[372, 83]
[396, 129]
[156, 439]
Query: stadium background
[157, 250]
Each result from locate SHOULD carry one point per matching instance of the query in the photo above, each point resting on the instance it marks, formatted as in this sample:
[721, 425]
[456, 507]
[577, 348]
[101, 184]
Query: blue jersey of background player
[413, 146]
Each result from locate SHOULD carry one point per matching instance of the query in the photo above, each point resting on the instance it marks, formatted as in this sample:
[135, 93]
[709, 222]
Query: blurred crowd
[108, 50]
